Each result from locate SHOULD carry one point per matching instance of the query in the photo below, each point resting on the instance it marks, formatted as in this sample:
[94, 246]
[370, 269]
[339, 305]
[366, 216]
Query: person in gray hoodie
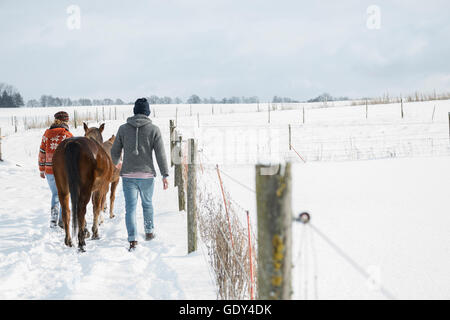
[139, 138]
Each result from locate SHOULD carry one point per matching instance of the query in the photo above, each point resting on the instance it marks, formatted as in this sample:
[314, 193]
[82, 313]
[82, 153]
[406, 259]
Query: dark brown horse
[83, 169]
[107, 145]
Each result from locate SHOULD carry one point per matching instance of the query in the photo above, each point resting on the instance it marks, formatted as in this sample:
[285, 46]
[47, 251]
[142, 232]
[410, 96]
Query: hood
[138, 120]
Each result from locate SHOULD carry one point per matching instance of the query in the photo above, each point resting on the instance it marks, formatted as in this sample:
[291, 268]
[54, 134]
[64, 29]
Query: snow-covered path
[35, 264]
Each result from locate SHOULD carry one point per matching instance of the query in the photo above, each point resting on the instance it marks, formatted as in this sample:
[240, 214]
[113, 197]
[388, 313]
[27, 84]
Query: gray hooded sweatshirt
[138, 138]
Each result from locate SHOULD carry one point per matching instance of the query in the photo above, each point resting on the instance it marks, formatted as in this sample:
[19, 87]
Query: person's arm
[161, 158]
[42, 156]
[116, 150]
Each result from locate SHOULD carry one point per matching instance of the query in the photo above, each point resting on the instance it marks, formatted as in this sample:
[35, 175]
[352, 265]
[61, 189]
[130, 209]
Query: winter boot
[149, 236]
[133, 245]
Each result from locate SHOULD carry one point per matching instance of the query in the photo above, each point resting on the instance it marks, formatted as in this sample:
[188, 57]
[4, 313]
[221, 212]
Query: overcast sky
[299, 49]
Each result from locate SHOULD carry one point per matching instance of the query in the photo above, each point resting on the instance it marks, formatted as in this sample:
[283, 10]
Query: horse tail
[72, 157]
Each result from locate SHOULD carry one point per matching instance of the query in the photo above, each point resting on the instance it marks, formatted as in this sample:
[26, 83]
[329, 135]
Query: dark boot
[149, 236]
[133, 245]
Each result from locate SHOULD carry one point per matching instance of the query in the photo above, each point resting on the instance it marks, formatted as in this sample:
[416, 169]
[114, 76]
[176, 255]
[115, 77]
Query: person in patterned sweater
[58, 132]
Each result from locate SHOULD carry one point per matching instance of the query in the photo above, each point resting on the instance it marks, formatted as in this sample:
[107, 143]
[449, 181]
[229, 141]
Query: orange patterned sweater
[50, 141]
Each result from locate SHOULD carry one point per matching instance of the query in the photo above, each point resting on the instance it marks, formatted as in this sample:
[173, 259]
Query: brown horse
[83, 169]
[107, 145]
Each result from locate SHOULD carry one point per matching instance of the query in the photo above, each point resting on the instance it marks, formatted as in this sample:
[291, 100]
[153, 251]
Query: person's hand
[42, 175]
[119, 166]
[165, 183]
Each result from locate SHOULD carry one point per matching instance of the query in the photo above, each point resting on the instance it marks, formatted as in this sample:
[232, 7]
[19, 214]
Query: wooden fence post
[290, 138]
[303, 115]
[367, 109]
[401, 106]
[1, 159]
[172, 139]
[179, 179]
[15, 124]
[273, 198]
[198, 120]
[75, 118]
[192, 196]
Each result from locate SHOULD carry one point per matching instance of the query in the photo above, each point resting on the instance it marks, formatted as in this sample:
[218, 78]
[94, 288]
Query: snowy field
[376, 186]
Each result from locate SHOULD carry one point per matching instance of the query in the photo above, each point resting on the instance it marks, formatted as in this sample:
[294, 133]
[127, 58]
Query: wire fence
[230, 243]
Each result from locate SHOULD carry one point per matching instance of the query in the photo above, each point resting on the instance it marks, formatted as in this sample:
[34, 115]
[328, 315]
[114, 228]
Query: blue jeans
[131, 189]
[55, 207]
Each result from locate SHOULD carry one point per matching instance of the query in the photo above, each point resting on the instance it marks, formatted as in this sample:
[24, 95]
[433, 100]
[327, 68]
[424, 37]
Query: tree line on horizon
[11, 98]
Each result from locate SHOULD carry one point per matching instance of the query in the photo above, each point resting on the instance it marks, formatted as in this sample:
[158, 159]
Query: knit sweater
[138, 138]
[50, 141]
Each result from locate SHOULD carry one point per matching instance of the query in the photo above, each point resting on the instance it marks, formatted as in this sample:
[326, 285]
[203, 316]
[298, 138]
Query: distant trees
[159, 100]
[324, 97]
[50, 101]
[277, 99]
[10, 97]
[194, 99]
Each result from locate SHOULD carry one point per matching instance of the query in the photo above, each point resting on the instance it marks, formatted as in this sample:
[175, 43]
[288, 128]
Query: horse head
[94, 133]
[112, 139]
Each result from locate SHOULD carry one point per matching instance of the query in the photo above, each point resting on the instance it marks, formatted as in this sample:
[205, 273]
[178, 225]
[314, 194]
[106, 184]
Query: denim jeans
[131, 189]
[55, 207]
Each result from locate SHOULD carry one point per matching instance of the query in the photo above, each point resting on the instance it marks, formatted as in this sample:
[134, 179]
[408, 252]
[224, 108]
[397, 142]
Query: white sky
[299, 49]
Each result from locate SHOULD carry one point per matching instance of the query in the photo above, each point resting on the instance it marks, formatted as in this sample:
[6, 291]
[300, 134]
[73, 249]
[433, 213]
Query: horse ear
[86, 128]
[102, 127]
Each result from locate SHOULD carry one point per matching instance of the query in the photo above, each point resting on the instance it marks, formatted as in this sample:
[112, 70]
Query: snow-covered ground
[389, 211]
[35, 264]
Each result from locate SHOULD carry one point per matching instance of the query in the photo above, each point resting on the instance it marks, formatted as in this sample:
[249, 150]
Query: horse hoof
[111, 216]
[95, 237]
[81, 249]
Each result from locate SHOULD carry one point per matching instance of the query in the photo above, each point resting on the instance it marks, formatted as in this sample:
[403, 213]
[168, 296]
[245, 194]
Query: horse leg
[82, 231]
[103, 193]
[97, 205]
[112, 198]
[104, 207]
[66, 218]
